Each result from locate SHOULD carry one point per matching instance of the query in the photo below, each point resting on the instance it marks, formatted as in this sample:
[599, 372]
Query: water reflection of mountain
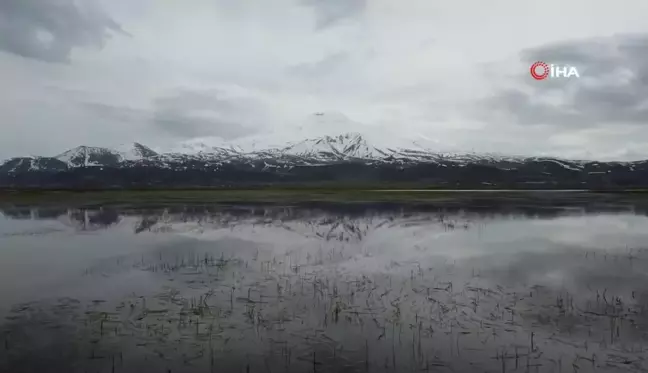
[94, 219]
[33, 213]
[82, 219]
[343, 222]
[531, 283]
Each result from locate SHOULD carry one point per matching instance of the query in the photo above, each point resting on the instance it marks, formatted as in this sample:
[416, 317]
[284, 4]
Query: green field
[217, 196]
[310, 195]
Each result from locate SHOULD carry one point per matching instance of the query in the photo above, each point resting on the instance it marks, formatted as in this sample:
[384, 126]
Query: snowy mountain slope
[207, 146]
[27, 164]
[346, 147]
[88, 156]
[346, 157]
[327, 139]
[135, 151]
[342, 147]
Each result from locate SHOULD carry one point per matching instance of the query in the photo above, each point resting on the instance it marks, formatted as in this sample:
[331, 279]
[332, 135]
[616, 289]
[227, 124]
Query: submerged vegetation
[277, 289]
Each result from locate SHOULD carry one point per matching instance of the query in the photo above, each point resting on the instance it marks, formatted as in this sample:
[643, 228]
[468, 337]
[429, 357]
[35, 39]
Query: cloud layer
[190, 114]
[233, 70]
[48, 30]
[612, 89]
[331, 12]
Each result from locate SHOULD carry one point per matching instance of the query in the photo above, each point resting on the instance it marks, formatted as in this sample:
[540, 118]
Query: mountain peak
[206, 146]
[86, 156]
[348, 136]
[343, 146]
[135, 151]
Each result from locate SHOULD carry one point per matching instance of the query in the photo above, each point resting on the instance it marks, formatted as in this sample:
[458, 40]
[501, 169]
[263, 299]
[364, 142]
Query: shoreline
[311, 196]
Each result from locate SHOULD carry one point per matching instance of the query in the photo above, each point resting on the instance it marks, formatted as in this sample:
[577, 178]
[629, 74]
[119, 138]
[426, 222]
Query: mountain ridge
[347, 157]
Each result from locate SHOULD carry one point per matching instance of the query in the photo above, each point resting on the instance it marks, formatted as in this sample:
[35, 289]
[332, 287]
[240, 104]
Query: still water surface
[331, 289]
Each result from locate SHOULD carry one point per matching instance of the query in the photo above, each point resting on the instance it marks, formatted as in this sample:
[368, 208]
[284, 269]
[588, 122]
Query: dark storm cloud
[613, 87]
[331, 12]
[190, 114]
[48, 30]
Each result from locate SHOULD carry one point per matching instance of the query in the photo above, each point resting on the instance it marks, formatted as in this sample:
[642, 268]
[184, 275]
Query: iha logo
[541, 71]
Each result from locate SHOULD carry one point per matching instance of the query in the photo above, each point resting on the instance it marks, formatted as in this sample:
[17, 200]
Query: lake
[326, 288]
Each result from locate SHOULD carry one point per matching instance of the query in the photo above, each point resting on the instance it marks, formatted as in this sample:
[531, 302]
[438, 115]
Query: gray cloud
[117, 113]
[329, 75]
[326, 66]
[388, 76]
[331, 12]
[189, 114]
[49, 30]
[613, 88]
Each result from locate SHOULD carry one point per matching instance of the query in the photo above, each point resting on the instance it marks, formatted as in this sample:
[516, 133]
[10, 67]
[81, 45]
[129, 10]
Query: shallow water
[331, 289]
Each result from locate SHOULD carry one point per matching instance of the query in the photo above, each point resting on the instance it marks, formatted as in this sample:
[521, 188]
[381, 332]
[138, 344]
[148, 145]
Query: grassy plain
[313, 195]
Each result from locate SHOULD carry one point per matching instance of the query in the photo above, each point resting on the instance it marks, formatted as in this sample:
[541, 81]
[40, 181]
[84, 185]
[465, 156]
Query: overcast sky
[456, 73]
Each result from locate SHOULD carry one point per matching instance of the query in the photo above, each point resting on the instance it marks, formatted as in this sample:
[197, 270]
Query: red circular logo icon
[539, 65]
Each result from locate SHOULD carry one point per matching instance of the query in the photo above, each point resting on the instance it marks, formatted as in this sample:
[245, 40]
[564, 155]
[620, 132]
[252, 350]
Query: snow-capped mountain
[327, 148]
[323, 136]
[319, 150]
[344, 146]
[347, 156]
[214, 148]
[89, 156]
